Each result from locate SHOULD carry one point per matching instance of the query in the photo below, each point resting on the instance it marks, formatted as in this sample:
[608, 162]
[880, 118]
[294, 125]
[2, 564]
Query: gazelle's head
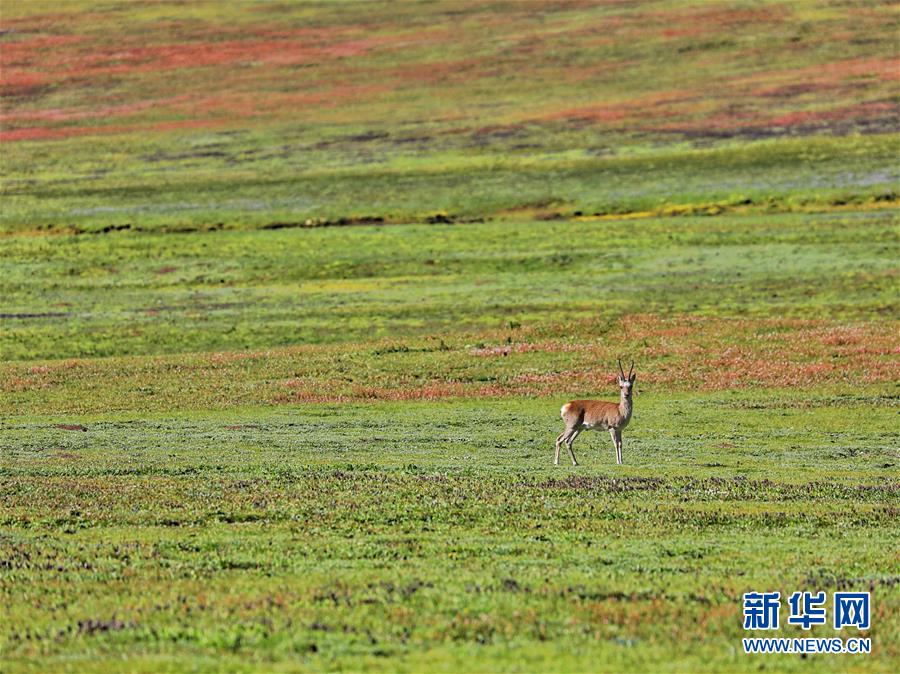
[626, 383]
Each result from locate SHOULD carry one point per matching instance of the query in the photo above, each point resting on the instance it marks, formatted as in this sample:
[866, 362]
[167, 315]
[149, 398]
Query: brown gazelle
[596, 415]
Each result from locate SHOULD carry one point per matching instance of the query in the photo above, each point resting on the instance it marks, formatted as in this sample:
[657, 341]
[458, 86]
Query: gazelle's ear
[633, 377]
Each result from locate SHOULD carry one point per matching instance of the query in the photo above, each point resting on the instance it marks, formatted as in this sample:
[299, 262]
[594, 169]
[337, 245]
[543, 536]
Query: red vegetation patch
[863, 111]
[683, 353]
[718, 17]
[440, 72]
[22, 84]
[15, 52]
[41, 133]
[699, 353]
[833, 71]
[207, 112]
[746, 102]
[38, 377]
[696, 22]
[119, 69]
[135, 59]
[249, 73]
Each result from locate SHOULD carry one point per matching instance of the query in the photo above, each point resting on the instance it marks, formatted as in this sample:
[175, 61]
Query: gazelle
[591, 415]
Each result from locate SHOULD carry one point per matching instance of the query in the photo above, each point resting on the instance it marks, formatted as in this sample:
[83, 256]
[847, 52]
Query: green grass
[409, 536]
[139, 294]
[166, 117]
[165, 510]
[813, 173]
[291, 294]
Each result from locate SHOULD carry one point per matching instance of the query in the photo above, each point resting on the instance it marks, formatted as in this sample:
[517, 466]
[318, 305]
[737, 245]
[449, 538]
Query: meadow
[265, 114]
[412, 536]
[183, 482]
[291, 295]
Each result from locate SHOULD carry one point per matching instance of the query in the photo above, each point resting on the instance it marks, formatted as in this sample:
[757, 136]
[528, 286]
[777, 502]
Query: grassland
[380, 497]
[126, 293]
[259, 114]
[392, 536]
[290, 295]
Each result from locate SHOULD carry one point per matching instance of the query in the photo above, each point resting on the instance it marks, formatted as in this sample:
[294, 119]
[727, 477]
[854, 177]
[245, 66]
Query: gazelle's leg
[574, 434]
[612, 434]
[619, 447]
[558, 442]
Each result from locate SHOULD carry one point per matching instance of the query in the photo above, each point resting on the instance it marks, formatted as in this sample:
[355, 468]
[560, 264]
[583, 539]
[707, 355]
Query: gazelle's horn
[631, 370]
[621, 371]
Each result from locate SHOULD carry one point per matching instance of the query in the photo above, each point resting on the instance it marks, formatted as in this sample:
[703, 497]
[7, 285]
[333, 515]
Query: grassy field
[291, 294]
[126, 293]
[264, 114]
[235, 485]
[411, 536]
